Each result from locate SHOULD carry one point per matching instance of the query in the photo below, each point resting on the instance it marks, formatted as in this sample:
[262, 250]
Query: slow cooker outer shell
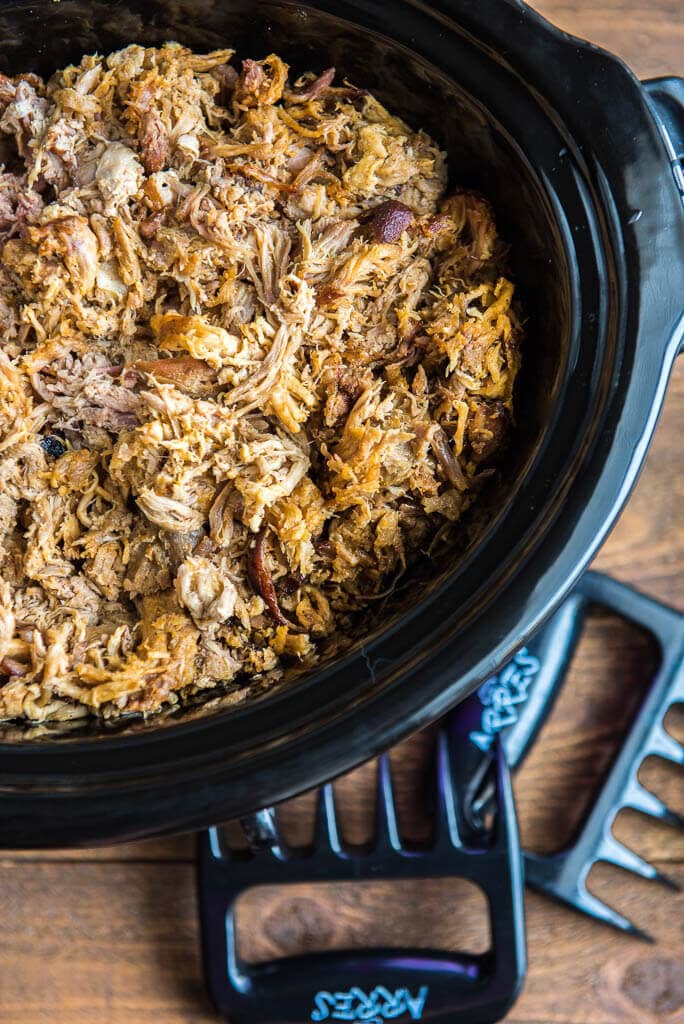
[579, 123]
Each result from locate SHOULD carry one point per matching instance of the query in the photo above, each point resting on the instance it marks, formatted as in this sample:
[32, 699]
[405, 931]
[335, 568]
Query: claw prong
[327, 830]
[615, 853]
[505, 812]
[212, 843]
[594, 907]
[386, 827]
[446, 830]
[641, 799]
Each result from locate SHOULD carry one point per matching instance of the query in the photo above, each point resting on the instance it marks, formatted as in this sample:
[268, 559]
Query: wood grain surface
[111, 935]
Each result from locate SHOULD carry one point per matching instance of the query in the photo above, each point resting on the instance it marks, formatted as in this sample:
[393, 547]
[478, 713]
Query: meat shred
[255, 359]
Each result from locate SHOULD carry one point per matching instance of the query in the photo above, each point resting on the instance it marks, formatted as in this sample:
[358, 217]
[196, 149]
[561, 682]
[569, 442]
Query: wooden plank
[648, 36]
[84, 943]
[99, 942]
[111, 934]
[173, 848]
[581, 973]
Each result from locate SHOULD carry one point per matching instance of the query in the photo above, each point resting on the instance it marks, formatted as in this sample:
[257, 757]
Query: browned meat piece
[84, 392]
[179, 544]
[227, 77]
[70, 240]
[75, 470]
[11, 667]
[222, 516]
[152, 695]
[194, 376]
[106, 570]
[7, 90]
[448, 462]
[313, 89]
[261, 82]
[343, 390]
[488, 429]
[390, 220]
[204, 547]
[150, 226]
[154, 141]
[262, 581]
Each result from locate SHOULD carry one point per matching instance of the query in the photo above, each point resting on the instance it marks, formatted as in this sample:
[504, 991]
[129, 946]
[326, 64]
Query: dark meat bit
[179, 545]
[53, 446]
[205, 547]
[19, 205]
[154, 141]
[148, 568]
[288, 584]
[260, 82]
[324, 548]
[448, 462]
[10, 667]
[390, 220]
[227, 77]
[8, 90]
[345, 388]
[252, 75]
[313, 89]
[262, 581]
[350, 92]
[327, 293]
[126, 373]
[440, 222]
[150, 226]
[150, 696]
[114, 420]
[488, 426]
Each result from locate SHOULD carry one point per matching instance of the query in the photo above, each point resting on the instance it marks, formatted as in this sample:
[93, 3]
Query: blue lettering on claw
[372, 1008]
[500, 694]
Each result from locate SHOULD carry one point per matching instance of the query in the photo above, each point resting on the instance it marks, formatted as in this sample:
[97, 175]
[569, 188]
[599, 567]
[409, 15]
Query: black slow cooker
[582, 162]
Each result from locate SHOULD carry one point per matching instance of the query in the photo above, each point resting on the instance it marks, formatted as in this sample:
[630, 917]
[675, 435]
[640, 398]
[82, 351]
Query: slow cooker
[582, 163]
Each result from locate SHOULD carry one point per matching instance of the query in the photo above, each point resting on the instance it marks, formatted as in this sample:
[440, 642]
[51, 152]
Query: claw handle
[368, 985]
[563, 874]
[517, 701]
[513, 705]
[375, 985]
[371, 985]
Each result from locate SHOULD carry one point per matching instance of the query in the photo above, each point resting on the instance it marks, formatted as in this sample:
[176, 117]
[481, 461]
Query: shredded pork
[254, 360]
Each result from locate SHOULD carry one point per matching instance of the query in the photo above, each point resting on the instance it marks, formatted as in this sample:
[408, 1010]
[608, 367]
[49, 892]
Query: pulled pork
[254, 361]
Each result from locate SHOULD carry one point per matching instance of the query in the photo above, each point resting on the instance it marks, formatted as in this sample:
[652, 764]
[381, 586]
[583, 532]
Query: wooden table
[110, 935]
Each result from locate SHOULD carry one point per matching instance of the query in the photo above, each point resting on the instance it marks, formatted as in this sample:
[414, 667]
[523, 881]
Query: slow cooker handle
[666, 98]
